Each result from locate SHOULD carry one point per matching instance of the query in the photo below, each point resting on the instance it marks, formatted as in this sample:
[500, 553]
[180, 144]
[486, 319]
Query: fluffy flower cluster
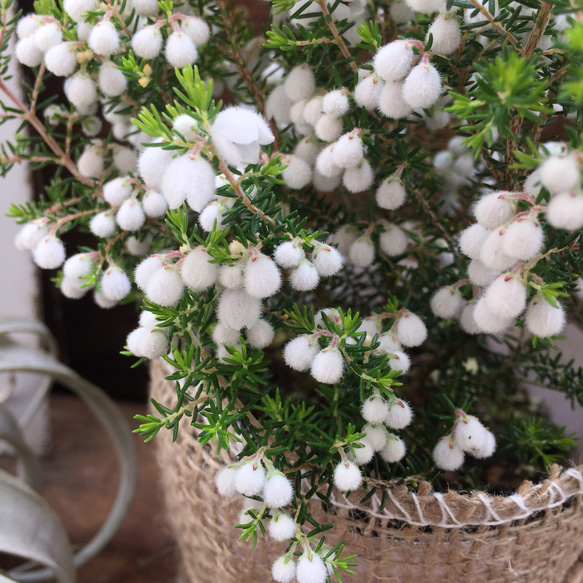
[467, 436]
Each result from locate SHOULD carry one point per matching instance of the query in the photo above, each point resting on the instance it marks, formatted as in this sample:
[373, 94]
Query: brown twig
[339, 40]
[484, 11]
[540, 25]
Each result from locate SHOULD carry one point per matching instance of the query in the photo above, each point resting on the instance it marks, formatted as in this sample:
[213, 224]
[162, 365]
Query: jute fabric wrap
[535, 536]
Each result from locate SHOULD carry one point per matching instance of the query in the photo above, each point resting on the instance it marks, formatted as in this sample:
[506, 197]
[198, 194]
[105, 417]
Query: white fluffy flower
[31, 234]
[393, 61]
[288, 254]
[328, 366]
[358, 178]
[467, 321]
[447, 455]
[325, 163]
[348, 150]
[400, 361]
[145, 7]
[165, 287]
[399, 415]
[261, 334]
[283, 569]
[147, 42]
[278, 490]
[560, 173]
[225, 481]
[361, 253]
[300, 83]
[281, 528]
[111, 80]
[146, 269]
[329, 128]
[130, 216]
[362, 455]
[506, 296]
[422, 86]
[481, 275]
[391, 102]
[78, 265]
[487, 448]
[523, 239]
[327, 260]
[297, 174]
[492, 252]
[250, 479]
[347, 477]
[335, 103]
[411, 330]
[116, 191]
[103, 225]
[393, 241]
[61, 59]
[544, 320]
[231, 276]
[125, 160]
[190, 180]
[238, 133]
[470, 434]
[376, 435]
[238, 309]
[76, 8]
[472, 239]
[277, 106]
[104, 39]
[487, 321]
[367, 92]
[447, 35]
[375, 409]
[426, 6]
[27, 52]
[115, 284]
[262, 277]
[565, 211]
[305, 276]
[81, 92]
[197, 271]
[180, 50]
[447, 302]
[300, 352]
[391, 193]
[154, 204]
[394, 449]
[152, 165]
[492, 211]
[49, 253]
[197, 29]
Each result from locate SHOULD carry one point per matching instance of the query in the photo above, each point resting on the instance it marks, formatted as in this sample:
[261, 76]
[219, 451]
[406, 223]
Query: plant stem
[339, 40]
[483, 10]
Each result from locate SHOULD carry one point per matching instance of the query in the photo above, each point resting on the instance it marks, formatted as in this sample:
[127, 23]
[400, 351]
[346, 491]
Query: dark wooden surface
[81, 480]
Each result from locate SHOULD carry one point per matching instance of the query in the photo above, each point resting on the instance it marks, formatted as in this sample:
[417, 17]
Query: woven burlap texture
[535, 536]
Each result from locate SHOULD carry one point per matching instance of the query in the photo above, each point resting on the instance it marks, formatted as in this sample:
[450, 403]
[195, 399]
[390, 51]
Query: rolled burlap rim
[535, 535]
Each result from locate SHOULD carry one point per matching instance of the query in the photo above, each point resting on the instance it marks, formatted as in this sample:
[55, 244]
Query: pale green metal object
[15, 358]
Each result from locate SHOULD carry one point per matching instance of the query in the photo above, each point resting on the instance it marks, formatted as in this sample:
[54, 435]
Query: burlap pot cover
[534, 536]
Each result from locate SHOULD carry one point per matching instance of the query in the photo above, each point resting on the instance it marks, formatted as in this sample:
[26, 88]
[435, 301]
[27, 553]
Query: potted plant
[353, 239]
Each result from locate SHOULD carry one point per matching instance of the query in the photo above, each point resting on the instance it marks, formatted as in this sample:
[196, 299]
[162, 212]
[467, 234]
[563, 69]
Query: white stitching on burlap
[448, 519]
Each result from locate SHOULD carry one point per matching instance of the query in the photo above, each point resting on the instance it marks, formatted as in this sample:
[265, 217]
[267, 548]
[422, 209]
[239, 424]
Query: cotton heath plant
[351, 238]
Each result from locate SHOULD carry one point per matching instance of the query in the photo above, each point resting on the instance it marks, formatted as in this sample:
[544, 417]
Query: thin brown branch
[339, 40]
[484, 11]
[540, 25]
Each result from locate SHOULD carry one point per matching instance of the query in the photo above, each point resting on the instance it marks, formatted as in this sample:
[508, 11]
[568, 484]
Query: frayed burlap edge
[535, 535]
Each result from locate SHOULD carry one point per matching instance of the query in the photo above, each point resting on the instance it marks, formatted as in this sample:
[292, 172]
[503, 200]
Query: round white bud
[49, 253]
[362, 252]
[222, 334]
[470, 435]
[281, 528]
[288, 254]
[348, 151]
[27, 52]
[304, 277]
[197, 271]
[544, 320]
[487, 321]
[335, 103]
[250, 479]
[152, 165]
[78, 265]
[125, 160]
[362, 455]
[91, 126]
[391, 193]
[231, 276]
[325, 164]
[76, 8]
[467, 321]
[130, 216]
[447, 455]
[283, 569]
[146, 269]
[427, 6]
[261, 334]
[411, 330]
[447, 35]
[359, 178]
[328, 366]
[367, 92]
[297, 174]
[111, 80]
[146, 7]
[238, 309]
[81, 92]
[344, 238]
[327, 260]
[262, 277]
[393, 61]
[329, 128]
[492, 252]
[447, 302]
[300, 84]
[523, 239]
[307, 150]
[560, 174]
[225, 481]
[492, 211]
[277, 106]
[325, 183]
[389, 342]
[481, 275]
[197, 29]
[300, 352]
[312, 111]
[117, 191]
[399, 415]
[422, 86]
[391, 102]
[147, 43]
[400, 361]
[104, 39]
[487, 448]
[28, 25]
[565, 211]
[393, 241]
[506, 296]
[347, 477]
[278, 491]
[374, 409]
[180, 50]
[376, 435]
[115, 284]
[472, 239]
[394, 449]
[103, 225]
[61, 59]
[165, 287]
[154, 204]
